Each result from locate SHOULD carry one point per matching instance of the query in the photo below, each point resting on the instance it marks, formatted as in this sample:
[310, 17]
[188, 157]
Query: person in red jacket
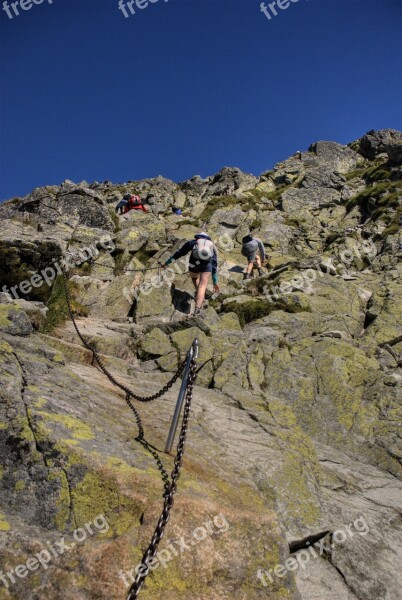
[135, 203]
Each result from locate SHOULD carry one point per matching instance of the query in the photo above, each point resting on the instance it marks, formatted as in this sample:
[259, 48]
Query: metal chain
[141, 439]
[102, 367]
[98, 264]
[123, 269]
[169, 498]
[170, 485]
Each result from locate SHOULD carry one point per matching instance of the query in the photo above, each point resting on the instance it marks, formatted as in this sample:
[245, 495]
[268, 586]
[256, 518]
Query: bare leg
[202, 287]
[195, 278]
[251, 265]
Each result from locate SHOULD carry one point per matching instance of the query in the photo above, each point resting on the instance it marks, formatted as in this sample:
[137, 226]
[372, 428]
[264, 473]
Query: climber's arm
[261, 248]
[215, 269]
[181, 252]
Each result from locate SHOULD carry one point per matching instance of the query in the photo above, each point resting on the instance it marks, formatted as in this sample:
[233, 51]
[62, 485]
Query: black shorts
[200, 266]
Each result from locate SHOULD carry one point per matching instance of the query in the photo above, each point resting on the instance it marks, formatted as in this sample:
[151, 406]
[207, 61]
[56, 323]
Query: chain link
[144, 270]
[95, 263]
[170, 484]
[102, 367]
[169, 498]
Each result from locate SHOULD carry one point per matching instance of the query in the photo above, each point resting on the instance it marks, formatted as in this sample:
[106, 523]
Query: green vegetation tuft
[355, 145]
[256, 224]
[294, 221]
[258, 194]
[393, 224]
[57, 305]
[382, 193]
[276, 195]
[115, 219]
[371, 173]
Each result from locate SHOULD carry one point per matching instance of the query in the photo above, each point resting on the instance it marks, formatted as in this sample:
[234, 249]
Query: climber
[253, 249]
[122, 204]
[177, 211]
[134, 203]
[203, 262]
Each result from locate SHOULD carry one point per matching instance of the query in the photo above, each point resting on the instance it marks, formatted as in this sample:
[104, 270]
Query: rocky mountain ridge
[296, 422]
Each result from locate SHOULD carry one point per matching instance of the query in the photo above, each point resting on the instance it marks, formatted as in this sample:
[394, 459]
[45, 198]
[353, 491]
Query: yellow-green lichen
[33, 388]
[99, 494]
[80, 430]
[20, 485]
[4, 524]
[4, 313]
[40, 402]
[63, 501]
[5, 348]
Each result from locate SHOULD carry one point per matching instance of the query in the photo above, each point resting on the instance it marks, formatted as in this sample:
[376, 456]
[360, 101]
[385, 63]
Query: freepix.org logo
[129, 8]
[12, 9]
[270, 10]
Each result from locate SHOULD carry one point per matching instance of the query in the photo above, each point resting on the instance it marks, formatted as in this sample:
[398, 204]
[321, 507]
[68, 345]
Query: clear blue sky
[186, 87]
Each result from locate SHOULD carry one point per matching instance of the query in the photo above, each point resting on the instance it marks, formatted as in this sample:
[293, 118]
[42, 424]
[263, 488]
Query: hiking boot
[197, 312]
[260, 272]
[246, 276]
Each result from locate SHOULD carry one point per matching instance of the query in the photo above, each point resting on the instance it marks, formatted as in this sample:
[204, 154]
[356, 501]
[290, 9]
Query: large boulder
[14, 320]
[230, 180]
[377, 142]
[334, 156]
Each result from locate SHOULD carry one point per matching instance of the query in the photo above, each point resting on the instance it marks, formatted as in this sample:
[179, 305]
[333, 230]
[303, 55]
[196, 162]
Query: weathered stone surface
[301, 201]
[156, 343]
[296, 416]
[335, 156]
[230, 180]
[232, 217]
[35, 311]
[14, 320]
[376, 142]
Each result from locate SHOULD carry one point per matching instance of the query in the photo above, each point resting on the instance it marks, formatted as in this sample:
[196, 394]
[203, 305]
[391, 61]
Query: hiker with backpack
[122, 204]
[134, 203]
[253, 249]
[203, 262]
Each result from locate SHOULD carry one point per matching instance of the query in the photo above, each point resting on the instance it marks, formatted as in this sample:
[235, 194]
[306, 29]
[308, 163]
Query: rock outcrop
[295, 431]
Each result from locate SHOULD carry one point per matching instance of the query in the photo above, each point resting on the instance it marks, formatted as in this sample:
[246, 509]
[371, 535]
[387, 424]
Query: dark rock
[376, 142]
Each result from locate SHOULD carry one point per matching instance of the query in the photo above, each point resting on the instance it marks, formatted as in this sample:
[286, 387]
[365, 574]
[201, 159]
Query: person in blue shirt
[203, 263]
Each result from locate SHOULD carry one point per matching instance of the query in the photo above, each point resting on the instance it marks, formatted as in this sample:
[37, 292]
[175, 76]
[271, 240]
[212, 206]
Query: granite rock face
[295, 430]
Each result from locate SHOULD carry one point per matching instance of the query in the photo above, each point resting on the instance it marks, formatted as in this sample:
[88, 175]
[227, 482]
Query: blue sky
[185, 87]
